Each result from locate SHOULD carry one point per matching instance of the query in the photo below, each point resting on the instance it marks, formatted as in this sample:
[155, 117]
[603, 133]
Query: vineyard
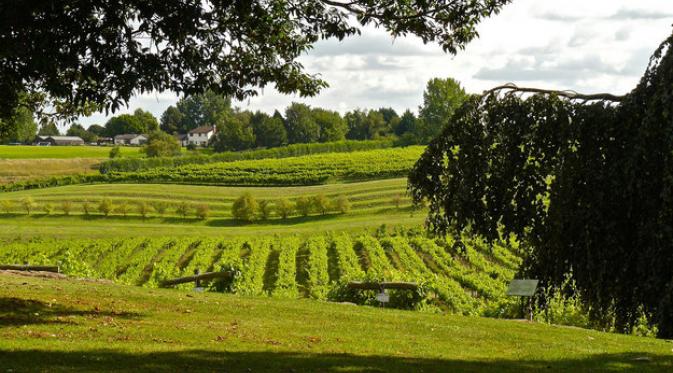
[466, 280]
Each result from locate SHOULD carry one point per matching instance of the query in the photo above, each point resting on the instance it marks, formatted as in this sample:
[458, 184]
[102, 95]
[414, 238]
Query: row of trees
[248, 209]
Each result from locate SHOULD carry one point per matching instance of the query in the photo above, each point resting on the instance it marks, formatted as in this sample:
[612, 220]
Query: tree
[304, 206]
[97, 130]
[265, 209]
[160, 207]
[49, 129]
[234, 133]
[7, 206]
[122, 208]
[332, 126]
[70, 55]
[584, 181]
[105, 206]
[77, 129]
[115, 152]
[284, 208]
[66, 207]
[86, 207]
[366, 125]
[300, 124]
[161, 144]
[406, 124]
[343, 205]
[182, 209]
[172, 120]
[28, 204]
[48, 208]
[245, 208]
[202, 211]
[205, 109]
[441, 99]
[122, 124]
[144, 209]
[147, 120]
[320, 203]
[269, 131]
[20, 128]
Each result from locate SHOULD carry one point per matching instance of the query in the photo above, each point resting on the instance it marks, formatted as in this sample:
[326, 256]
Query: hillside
[69, 325]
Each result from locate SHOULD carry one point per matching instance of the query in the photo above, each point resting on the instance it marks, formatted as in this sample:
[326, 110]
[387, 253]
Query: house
[130, 139]
[182, 138]
[200, 136]
[58, 140]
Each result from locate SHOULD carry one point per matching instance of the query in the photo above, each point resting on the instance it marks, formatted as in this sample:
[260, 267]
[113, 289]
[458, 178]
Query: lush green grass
[69, 325]
[63, 152]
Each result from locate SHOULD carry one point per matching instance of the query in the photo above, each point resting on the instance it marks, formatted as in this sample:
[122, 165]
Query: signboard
[522, 288]
[383, 297]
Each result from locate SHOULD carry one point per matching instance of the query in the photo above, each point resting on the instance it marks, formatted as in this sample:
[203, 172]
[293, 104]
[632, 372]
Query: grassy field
[60, 325]
[13, 170]
[63, 152]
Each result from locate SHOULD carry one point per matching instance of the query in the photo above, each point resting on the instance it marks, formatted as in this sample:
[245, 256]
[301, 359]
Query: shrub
[161, 144]
[202, 211]
[320, 203]
[86, 207]
[245, 208]
[182, 209]
[66, 207]
[28, 204]
[48, 208]
[265, 209]
[115, 152]
[122, 208]
[6, 206]
[105, 206]
[397, 200]
[343, 205]
[159, 207]
[144, 209]
[284, 208]
[304, 206]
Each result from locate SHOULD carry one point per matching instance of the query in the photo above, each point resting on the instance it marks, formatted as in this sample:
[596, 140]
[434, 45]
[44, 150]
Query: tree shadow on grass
[16, 312]
[222, 361]
[229, 222]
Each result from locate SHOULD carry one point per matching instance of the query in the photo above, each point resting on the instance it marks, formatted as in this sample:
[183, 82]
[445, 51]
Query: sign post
[523, 289]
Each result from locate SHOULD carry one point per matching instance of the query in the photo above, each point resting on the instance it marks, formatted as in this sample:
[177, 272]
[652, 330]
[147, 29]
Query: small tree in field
[159, 207]
[66, 207]
[284, 208]
[343, 205]
[6, 206]
[202, 211]
[265, 209]
[28, 204]
[320, 203]
[48, 208]
[122, 208]
[182, 209]
[304, 206]
[144, 209]
[105, 206]
[86, 207]
[397, 200]
[115, 152]
[245, 208]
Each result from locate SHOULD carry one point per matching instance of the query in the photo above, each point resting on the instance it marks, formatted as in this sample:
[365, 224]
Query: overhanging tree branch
[569, 94]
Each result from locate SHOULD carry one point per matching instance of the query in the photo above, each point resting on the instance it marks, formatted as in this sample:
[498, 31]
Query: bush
[6, 206]
[202, 211]
[161, 144]
[284, 208]
[66, 207]
[122, 208]
[159, 207]
[115, 152]
[86, 207]
[48, 208]
[265, 209]
[28, 204]
[397, 200]
[144, 209]
[182, 209]
[320, 203]
[343, 205]
[304, 206]
[105, 206]
[245, 208]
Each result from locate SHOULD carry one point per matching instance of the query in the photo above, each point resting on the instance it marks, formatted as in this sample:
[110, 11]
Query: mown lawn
[63, 152]
[61, 325]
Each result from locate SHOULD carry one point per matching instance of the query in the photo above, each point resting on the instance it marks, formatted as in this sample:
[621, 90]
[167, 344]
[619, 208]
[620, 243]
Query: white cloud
[587, 46]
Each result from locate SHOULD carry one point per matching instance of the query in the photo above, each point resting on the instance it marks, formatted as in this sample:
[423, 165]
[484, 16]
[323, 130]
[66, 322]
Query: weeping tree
[584, 181]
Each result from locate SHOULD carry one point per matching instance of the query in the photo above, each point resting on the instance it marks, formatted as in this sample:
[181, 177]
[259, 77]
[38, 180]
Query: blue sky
[586, 46]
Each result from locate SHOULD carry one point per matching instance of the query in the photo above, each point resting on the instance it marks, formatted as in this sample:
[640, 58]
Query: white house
[130, 139]
[200, 136]
[183, 139]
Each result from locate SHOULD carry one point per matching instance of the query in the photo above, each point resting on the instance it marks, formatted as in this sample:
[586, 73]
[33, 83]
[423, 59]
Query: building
[58, 140]
[130, 139]
[200, 136]
[105, 141]
[182, 138]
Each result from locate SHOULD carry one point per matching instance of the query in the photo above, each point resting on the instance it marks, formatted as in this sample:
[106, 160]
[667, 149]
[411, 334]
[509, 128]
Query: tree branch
[572, 95]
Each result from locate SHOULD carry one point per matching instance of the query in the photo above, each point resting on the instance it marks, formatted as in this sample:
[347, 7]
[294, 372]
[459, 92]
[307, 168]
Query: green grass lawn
[63, 152]
[62, 325]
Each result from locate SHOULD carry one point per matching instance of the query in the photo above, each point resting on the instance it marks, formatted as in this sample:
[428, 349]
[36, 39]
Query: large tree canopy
[585, 181]
[77, 52]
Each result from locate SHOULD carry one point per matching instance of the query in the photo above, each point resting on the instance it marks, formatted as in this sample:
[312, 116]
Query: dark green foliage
[366, 125]
[115, 152]
[194, 111]
[103, 53]
[588, 186]
[300, 124]
[97, 130]
[440, 100]
[234, 133]
[122, 124]
[20, 128]
[49, 129]
[77, 130]
[332, 126]
[269, 131]
[245, 208]
[161, 144]
[171, 120]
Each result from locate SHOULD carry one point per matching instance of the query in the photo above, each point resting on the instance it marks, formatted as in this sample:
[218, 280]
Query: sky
[586, 46]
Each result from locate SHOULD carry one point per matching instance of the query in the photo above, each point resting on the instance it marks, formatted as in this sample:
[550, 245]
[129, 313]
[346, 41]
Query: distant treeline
[138, 164]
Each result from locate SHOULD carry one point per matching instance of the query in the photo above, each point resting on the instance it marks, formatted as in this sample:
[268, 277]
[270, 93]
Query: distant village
[200, 137]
